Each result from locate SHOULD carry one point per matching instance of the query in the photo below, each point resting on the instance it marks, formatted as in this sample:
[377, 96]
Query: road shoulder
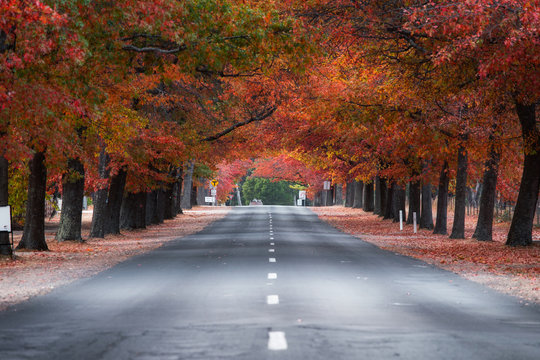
[37, 273]
[514, 271]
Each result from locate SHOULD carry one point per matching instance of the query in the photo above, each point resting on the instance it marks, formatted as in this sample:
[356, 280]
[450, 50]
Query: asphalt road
[271, 283]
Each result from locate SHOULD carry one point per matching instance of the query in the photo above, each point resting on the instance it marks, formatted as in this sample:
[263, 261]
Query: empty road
[271, 282]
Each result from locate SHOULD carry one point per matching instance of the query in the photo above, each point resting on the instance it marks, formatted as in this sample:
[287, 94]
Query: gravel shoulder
[35, 273]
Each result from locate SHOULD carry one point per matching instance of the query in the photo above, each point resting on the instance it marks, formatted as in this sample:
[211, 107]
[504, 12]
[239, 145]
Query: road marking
[277, 340]
[272, 276]
[272, 299]
[402, 304]
[271, 238]
[272, 259]
[271, 250]
[272, 244]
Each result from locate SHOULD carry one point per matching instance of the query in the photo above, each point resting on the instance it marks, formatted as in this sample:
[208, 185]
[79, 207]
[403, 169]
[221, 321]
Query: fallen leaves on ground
[513, 270]
[35, 273]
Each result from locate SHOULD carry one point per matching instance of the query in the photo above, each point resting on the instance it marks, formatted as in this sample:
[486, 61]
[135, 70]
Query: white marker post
[414, 221]
[400, 220]
[5, 226]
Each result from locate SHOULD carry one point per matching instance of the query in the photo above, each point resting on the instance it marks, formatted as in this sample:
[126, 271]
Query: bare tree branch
[259, 117]
[155, 49]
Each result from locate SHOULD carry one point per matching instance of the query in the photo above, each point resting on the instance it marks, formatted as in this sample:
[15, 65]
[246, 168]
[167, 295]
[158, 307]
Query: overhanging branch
[259, 117]
[155, 49]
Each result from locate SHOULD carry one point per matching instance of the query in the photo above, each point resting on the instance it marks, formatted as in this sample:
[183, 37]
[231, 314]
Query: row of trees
[426, 94]
[446, 84]
[127, 99]
[124, 100]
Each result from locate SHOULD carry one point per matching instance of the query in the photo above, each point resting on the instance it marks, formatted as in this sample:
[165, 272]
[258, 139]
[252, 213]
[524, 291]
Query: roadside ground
[35, 273]
[512, 270]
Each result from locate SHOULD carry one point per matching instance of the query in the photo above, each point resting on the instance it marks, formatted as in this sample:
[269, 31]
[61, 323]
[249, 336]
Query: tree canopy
[314, 90]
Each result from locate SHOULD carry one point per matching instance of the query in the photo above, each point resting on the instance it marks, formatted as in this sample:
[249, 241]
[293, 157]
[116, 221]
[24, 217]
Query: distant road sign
[213, 192]
[327, 185]
[214, 183]
[209, 199]
[302, 194]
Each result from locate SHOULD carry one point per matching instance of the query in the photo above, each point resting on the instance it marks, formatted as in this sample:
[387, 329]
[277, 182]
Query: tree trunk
[316, 199]
[193, 194]
[329, 197]
[458, 227]
[99, 216]
[34, 226]
[377, 206]
[114, 203]
[389, 211]
[384, 192]
[426, 216]
[72, 202]
[442, 202]
[170, 194]
[156, 199]
[151, 208]
[178, 197]
[349, 194]
[484, 225]
[200, 192]
[358, 194]
[399, 202]
[188, 183]
[338, 194]
[520, 233]
[168, 202]
[368, 197]
[5, 244]
[414, 201]
[133, 211]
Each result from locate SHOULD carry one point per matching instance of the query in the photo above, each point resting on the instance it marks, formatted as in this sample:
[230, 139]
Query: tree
[270, 192]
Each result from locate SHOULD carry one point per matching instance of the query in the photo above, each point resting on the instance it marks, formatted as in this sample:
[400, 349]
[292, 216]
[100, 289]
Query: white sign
[302, 194]
[213, 192]
[326, 185]
[208, 199]
[299, 202]
[5, 218]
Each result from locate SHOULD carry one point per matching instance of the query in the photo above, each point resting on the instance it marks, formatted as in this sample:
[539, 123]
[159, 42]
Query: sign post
[213, 190]
[301, 198]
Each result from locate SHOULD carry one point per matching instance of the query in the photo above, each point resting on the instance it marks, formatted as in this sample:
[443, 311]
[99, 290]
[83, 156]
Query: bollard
[414, 221]
[401, 220]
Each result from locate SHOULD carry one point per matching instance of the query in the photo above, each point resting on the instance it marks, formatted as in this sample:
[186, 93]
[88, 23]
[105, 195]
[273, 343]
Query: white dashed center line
[277, 340]
[272, 299]
[271, 250]
[272, 244]
[272, 276]
[271, 259]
